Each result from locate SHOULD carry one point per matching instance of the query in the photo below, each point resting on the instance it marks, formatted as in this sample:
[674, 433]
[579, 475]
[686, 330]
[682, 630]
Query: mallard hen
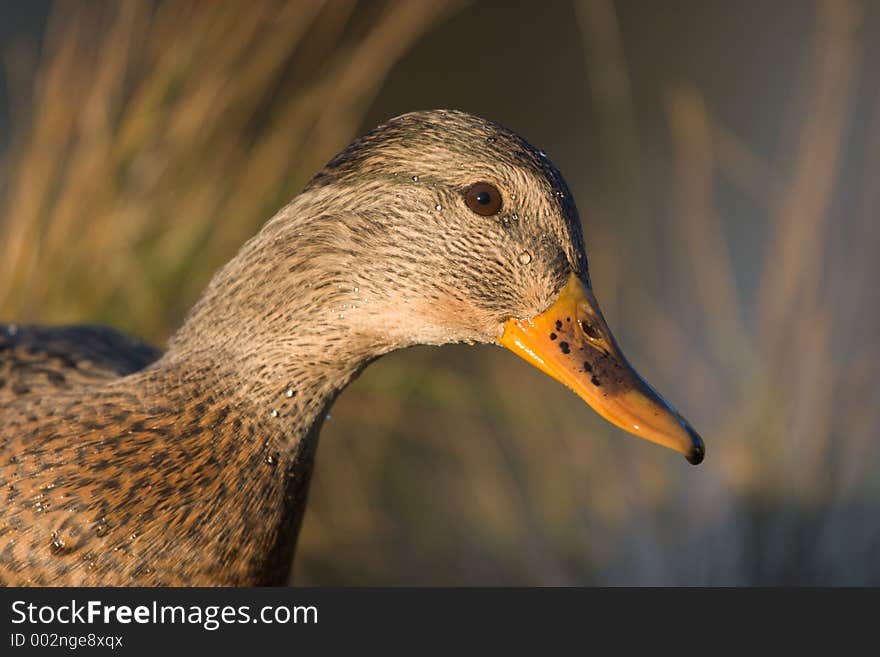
[122, 465]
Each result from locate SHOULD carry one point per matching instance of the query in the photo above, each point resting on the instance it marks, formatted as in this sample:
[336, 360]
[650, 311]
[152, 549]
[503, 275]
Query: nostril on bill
[589, 330]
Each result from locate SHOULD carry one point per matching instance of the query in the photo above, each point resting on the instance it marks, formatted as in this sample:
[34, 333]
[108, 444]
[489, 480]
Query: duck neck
[284, 384]
[281, 327]
[286, 396]
[257, 363]
[254, 426]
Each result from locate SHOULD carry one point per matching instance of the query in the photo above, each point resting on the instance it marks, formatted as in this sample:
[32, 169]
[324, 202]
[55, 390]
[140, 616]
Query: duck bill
[571, 342]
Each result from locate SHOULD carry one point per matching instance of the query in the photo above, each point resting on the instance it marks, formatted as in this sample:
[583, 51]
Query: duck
[126, 465]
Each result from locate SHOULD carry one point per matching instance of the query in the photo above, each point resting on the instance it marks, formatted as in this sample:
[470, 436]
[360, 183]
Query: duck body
[123, 465]
[119, 471]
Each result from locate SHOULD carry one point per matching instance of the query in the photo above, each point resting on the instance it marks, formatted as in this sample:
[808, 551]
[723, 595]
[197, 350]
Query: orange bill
[571, 342]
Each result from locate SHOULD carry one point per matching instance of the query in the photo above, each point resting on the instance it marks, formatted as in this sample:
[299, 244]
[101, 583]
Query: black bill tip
[698, 450]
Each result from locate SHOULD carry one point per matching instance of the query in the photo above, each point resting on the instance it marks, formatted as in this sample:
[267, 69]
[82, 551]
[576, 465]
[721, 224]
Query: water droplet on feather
[57, 542]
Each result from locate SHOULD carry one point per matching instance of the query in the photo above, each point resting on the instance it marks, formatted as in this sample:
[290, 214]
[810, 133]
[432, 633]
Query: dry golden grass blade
[608, 77]
[794, 250]
[34, 173]
[740, 163]
[356, 76]
[862, 268]
[700, 228]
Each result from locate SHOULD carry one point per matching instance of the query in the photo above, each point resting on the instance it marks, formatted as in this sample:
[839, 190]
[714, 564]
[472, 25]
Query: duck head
[475, 237]
[435, 227]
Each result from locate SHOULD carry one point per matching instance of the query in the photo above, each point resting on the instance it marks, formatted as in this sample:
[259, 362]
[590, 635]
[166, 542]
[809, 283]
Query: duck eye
[483, 198]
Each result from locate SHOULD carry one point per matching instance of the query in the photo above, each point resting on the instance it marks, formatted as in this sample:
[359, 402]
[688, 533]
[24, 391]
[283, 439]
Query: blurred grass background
[724, 157]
